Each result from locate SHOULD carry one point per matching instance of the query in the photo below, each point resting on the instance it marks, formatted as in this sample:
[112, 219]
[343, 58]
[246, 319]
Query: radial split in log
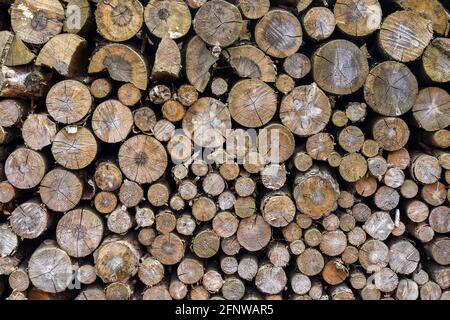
[167, 19]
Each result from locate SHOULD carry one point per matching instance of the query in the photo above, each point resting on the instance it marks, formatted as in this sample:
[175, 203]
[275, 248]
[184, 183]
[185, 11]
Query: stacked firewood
[247, 149]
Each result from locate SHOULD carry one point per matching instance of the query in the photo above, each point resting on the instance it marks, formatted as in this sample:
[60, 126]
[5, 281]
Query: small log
[366, 186]
[18, 280]
[145, 217]
[233, 288]
[386, 280]
[297, 65]
[383, 97]
[409, 189]
[206, 244]
[38, 131]
[187, 190]
[50, 268]
[101, 88]
[403, 257]
[167, 19]
[400, 158]
[270, 279]
[245, 207]
[118, 291]
[212, 280]
[187, 95]
[86, 274]
[167, 61]
[219, 86]
[112, 121]
[334, 272]
[439, 274]
[279, 33]
[404, 35]
[225, 224]
[351, 139]
[319, 23]
[213, 184]
[425, 168]
[319, 146]
[79, 232]
[25, 168]
[333, 243]
[439, 219]
[158, 292]
[204, 209]
[117, 259]
[386, 198]
[342, 73]
[146, 236]
[312, 237]
[373, 255]
[284, 83]
[120, 220]
[173, 111]
[228, 265]
[430, 291]
[277, 209]
[226, 200]
[356, 112]
[244, 186]
[353, 167]
[108, 176]
[119, 20]
[250, 62]
[61, 190]
[186, 225]
[130, 193]
[66, 53]
[379, 225]
[432, 108]
[158, 194]
[434, 194]
[165, 222]
[339, 118]
[310, 262]
[142, 159]
[306, 110]
[129, 95]
[13, 111]
[358, 19]
[316, 192]
[252, 103]
[254, 233]
[29, 220]
[276, 143]
[215, 31]
[274, 176]
[177, 289]
[37, 22]
[151, 271]
[229, 171]
[7, 192]
[212, 131]
[123, 64]
[74, 147]
[435, 59]
[420, 231]
[248, 267]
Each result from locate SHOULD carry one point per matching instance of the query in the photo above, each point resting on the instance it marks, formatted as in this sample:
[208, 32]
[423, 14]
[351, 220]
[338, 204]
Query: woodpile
[224, 149]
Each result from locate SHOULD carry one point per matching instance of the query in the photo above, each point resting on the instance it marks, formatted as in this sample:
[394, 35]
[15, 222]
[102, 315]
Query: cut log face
[74, 147]
[25, 168]
[123, 64]
[391, 133]
[29, 220]
[436, 60]
[198, 62]
[8, 241]
[61, 190]
[112, 121]
[167, 60]
[69, 101]
[358, 19]
[66, 53]
[432, 109]
[38, 131]
[306, 110]
[142, 159]
[404, 35]
[119, 20]
[252, 103]
[218, 23]
[79, 232]
[316, 192]
[340, 67]
[250, 62]
[36, 22]
[384, 97]
[50, 269]
[319, 23]
[167, 19]
[279, 33]
[254, 233]
[207, 122]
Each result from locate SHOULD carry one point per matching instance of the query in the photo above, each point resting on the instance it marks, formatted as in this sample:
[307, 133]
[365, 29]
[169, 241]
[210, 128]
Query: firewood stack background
[247, 149]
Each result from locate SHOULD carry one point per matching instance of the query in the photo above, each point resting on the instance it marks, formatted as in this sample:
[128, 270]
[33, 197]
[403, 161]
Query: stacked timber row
[224, 149]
